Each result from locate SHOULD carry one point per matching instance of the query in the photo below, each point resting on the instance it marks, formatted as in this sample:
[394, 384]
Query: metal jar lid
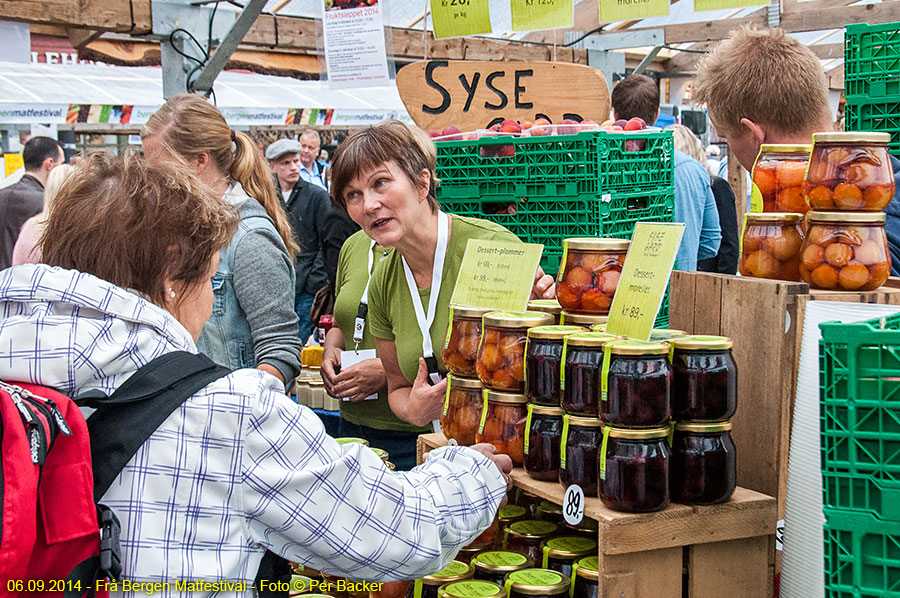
[517, 319]
[704, 427]
[455, 571]
[784, 148]
[639, 348]
[759, 217]
[454, 381]
[495, 396]
[846, 217]
[465, 311]
[538, 582]
[851, 137]
[590, 339]
[595, 244]
[702, 343]
[638, 434]
[582, 319]
[501, 561]
[553, 332]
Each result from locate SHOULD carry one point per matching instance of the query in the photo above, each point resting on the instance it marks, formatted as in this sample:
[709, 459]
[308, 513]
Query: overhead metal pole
[647, 60]
[226, 48]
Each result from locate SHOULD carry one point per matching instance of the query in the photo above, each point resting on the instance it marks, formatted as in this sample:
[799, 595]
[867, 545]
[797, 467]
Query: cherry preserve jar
[462, 409]
[580, 375]
[586, 578]
[581, 441]
[544, 431]
[526, 536]
[704, 461]
[495, 565]
[537, 583]
[704, 383]
[560, 553]
[461, 344]
[503, 423]
[543, 355]
[500, 363]
[636, 384]
[634, 469]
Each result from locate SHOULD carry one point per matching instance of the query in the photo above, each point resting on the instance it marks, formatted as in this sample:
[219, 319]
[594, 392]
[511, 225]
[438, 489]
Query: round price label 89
[573, 505]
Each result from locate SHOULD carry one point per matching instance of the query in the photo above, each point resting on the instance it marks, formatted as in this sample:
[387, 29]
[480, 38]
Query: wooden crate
[656, 555]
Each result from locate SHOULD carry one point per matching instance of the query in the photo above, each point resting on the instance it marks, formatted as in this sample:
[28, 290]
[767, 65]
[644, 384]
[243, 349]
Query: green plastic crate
[876, 116]
[862, 556]
[862, 492]
[872, 61]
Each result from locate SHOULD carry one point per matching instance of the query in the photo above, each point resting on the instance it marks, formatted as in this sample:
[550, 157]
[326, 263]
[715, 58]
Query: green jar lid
[588, 567]
[532, 528]
[349, 440]
[570, 547]
[472, 588]
[455, 571]
[548, 507]
[511, 512]
[501, 561]
[538, 582]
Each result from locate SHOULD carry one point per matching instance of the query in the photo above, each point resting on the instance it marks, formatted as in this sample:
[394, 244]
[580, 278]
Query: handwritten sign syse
[644, 278]
[496, 274]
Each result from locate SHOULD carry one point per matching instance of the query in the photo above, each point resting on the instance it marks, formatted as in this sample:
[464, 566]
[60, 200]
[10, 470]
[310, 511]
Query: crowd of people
[203, 243]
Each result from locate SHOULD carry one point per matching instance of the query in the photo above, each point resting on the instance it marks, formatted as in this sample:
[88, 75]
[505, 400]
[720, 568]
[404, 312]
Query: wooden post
[737, 178]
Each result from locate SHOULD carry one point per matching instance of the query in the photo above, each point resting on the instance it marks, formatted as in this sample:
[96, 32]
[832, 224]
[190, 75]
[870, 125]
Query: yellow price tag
[460, 18]
[496, 274]
[528, 15]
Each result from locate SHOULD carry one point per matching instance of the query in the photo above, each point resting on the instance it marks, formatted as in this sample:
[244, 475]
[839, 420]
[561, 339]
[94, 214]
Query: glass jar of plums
[634, 469]
[580, 374]
[502, 424]
[462, 409]
[494, 565]
[587, 574]
[704, 382]
[509, 514]
[637, 383]
[543, 356]
[544, 431]
[461, 344]
[580, 444]
[501, 356]
[562, 552]
[703, 463]
[589, 274]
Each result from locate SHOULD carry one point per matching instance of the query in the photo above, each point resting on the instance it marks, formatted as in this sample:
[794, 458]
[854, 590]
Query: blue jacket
[695, 206]
[892, 222]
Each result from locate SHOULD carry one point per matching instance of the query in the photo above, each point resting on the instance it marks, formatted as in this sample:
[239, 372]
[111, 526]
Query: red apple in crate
[510, 126]
[451, 133]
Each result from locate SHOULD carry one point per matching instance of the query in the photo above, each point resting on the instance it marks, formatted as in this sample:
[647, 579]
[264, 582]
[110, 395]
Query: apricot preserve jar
[634, 469]
[589, 274]
[849, 171]
[560, 553]
[543, 355]
[462, 409]
[471, 588]
[427, 587]
[580, 375]
[547, 306]
[537, 583]
[526, 536]
[581, 441]
[586, 582]
[544, 431]
[845, 251]
[704, 382]
[494, 565]
[771, 246]
[637, 384]
[778, 178]
[463, 335]
[586, 320]
[501, 356]
[503, 423]
[704, 462]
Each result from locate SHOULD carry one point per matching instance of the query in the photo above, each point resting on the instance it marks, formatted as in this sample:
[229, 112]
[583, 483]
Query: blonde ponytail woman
[253, 323]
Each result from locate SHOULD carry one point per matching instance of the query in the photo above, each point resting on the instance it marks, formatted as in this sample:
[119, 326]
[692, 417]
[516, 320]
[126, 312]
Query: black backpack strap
[126, 419]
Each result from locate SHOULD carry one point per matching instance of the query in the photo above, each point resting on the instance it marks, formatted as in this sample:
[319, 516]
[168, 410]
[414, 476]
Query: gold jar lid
[590, 339]
[704, 427]
[588, 568]
[538, 582]
[501, 561]
[547, 410]
[784, 148]
[466, 311]
[596, 244]
[851, 137]
[569, 547]
[553, 332]
[382, 454]
[755, 217]
[639, 348]
[455, 571]
[582, 319]
[847, 217]
[638, 434]
[665, 334]
[472, 588]
[547, 306]
[585, 422]
[461, 382]
[517, 319]
[699, 342]
[496, 396]
[532, 529]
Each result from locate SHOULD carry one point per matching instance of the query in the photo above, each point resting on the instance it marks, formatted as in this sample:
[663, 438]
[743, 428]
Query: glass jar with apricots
[589, 274]
[771, 246]
[845, 251]
[778, 178]
[849, 171]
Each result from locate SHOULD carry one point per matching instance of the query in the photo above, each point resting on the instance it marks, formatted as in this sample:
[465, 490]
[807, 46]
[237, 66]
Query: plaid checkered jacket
[239, 468]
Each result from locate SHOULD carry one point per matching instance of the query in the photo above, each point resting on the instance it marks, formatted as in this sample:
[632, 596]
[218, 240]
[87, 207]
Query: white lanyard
[424, 320]
[363, 310]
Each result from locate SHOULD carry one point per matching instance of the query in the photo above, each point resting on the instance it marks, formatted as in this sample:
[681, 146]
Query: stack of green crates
[591, 184]
[872, 79]
[860, 442]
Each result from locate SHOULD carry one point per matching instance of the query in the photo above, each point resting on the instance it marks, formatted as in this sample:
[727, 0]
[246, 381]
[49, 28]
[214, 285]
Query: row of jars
[508, 574]
[840, 250]
[842, 171]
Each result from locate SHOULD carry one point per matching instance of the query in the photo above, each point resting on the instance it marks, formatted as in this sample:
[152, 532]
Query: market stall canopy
[59, 94]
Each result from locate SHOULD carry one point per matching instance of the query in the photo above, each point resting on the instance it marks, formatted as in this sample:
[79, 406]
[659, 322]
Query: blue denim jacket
[695, 206]
[227, 337]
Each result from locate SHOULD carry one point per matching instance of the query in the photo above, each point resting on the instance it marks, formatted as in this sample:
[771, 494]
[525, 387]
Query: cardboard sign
[496, 274]
[645, 275]
[469, 94]
[625, 10]
[456, 18]
[533, 15]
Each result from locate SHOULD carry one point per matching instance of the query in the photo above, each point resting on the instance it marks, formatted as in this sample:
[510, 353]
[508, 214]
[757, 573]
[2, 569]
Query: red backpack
[55, 539]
